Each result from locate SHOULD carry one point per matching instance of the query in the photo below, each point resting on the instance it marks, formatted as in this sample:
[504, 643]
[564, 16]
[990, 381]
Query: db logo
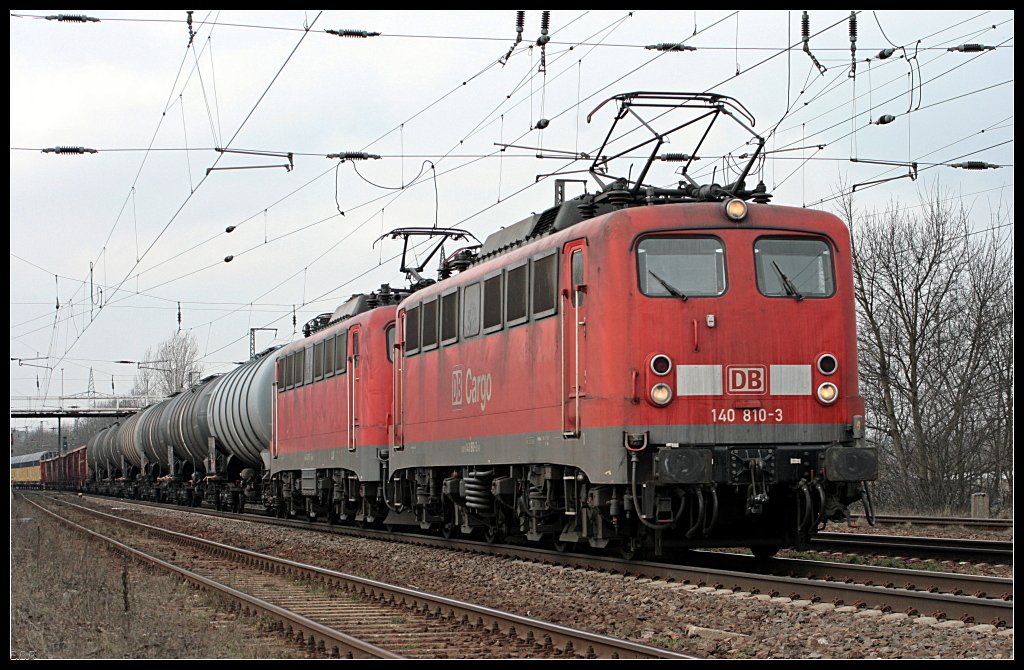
[457, 387]
[746, 379]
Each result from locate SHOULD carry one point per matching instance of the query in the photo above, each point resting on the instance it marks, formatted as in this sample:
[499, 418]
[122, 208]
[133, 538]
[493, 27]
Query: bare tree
[182, 367]
[934, 313]
[171, 368]
[145, 379]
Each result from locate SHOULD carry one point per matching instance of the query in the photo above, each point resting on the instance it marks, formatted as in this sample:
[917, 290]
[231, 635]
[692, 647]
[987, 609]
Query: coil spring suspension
[422, 493]
[478, 490]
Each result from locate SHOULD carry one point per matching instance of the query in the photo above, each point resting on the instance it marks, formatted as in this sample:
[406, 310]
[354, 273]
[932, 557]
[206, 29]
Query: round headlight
[735, 209]
[827, 393]
[661, 394]
[661, 365]
[827, 364]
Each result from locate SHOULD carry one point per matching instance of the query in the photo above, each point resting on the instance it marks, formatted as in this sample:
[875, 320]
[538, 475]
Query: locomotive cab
[745, 423]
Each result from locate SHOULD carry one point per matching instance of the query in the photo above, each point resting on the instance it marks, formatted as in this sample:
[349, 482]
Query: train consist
[637, 368]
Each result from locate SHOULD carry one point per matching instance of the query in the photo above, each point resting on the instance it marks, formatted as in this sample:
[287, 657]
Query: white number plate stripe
[790, 379]
[698, 380]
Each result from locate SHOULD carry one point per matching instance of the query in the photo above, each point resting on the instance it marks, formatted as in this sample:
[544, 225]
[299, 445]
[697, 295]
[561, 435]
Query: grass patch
[72, 598]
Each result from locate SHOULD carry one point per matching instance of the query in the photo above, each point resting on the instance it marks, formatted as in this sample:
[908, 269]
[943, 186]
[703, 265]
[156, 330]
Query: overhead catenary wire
[506, 155]
[181, 207]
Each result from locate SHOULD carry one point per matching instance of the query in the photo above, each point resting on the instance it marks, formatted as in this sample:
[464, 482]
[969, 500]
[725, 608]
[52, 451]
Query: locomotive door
[574, 335]
[354, 387]
[398, 399]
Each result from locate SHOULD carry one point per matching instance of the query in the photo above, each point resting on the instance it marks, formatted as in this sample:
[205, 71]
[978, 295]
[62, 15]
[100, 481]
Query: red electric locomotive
[638, 366]
[332, 413]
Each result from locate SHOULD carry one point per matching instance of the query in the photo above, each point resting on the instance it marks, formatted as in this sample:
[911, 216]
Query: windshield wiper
[788, 284]
[673, 291]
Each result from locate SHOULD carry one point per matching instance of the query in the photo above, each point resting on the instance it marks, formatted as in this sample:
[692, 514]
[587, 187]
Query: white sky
[115, 86]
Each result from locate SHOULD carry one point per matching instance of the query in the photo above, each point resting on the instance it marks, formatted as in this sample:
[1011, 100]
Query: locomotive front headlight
[735, 209]
[827, 393]
[661, 394]
[827, 364]
[661, 365]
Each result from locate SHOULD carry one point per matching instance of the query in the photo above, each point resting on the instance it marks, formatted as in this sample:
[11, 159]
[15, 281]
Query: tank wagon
[208, 442]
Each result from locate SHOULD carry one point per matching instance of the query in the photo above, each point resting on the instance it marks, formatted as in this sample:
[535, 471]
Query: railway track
[938, 548]
[966, 598]
[938, 522]
[338, 614]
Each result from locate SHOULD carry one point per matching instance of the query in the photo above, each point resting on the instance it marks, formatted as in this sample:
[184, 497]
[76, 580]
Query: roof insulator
[73, 18]
[884, 119]
[353, 156]
[68, 150]
[974, 165]
[971, 48]
[669, 46]
[344, 32]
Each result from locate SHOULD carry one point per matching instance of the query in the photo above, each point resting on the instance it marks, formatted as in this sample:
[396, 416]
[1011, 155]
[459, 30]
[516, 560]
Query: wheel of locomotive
[238, 504]
[631, 549]
[494, 534]
[765, 552]
[563, 547]
[447, 530]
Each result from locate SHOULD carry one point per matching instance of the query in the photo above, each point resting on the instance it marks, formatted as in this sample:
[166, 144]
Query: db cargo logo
[746, 379]
[473, 389]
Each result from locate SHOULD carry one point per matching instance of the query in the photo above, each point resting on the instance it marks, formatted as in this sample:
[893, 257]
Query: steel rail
[965, 522]
[311, 631]
[570, 641]
[930, 547]
[942, 605]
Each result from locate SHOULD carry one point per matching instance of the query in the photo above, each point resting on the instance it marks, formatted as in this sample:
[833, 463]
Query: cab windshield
[796, 267]
[681, 266]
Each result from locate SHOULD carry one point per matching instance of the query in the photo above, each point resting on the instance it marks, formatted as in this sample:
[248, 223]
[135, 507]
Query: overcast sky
[434, 86]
